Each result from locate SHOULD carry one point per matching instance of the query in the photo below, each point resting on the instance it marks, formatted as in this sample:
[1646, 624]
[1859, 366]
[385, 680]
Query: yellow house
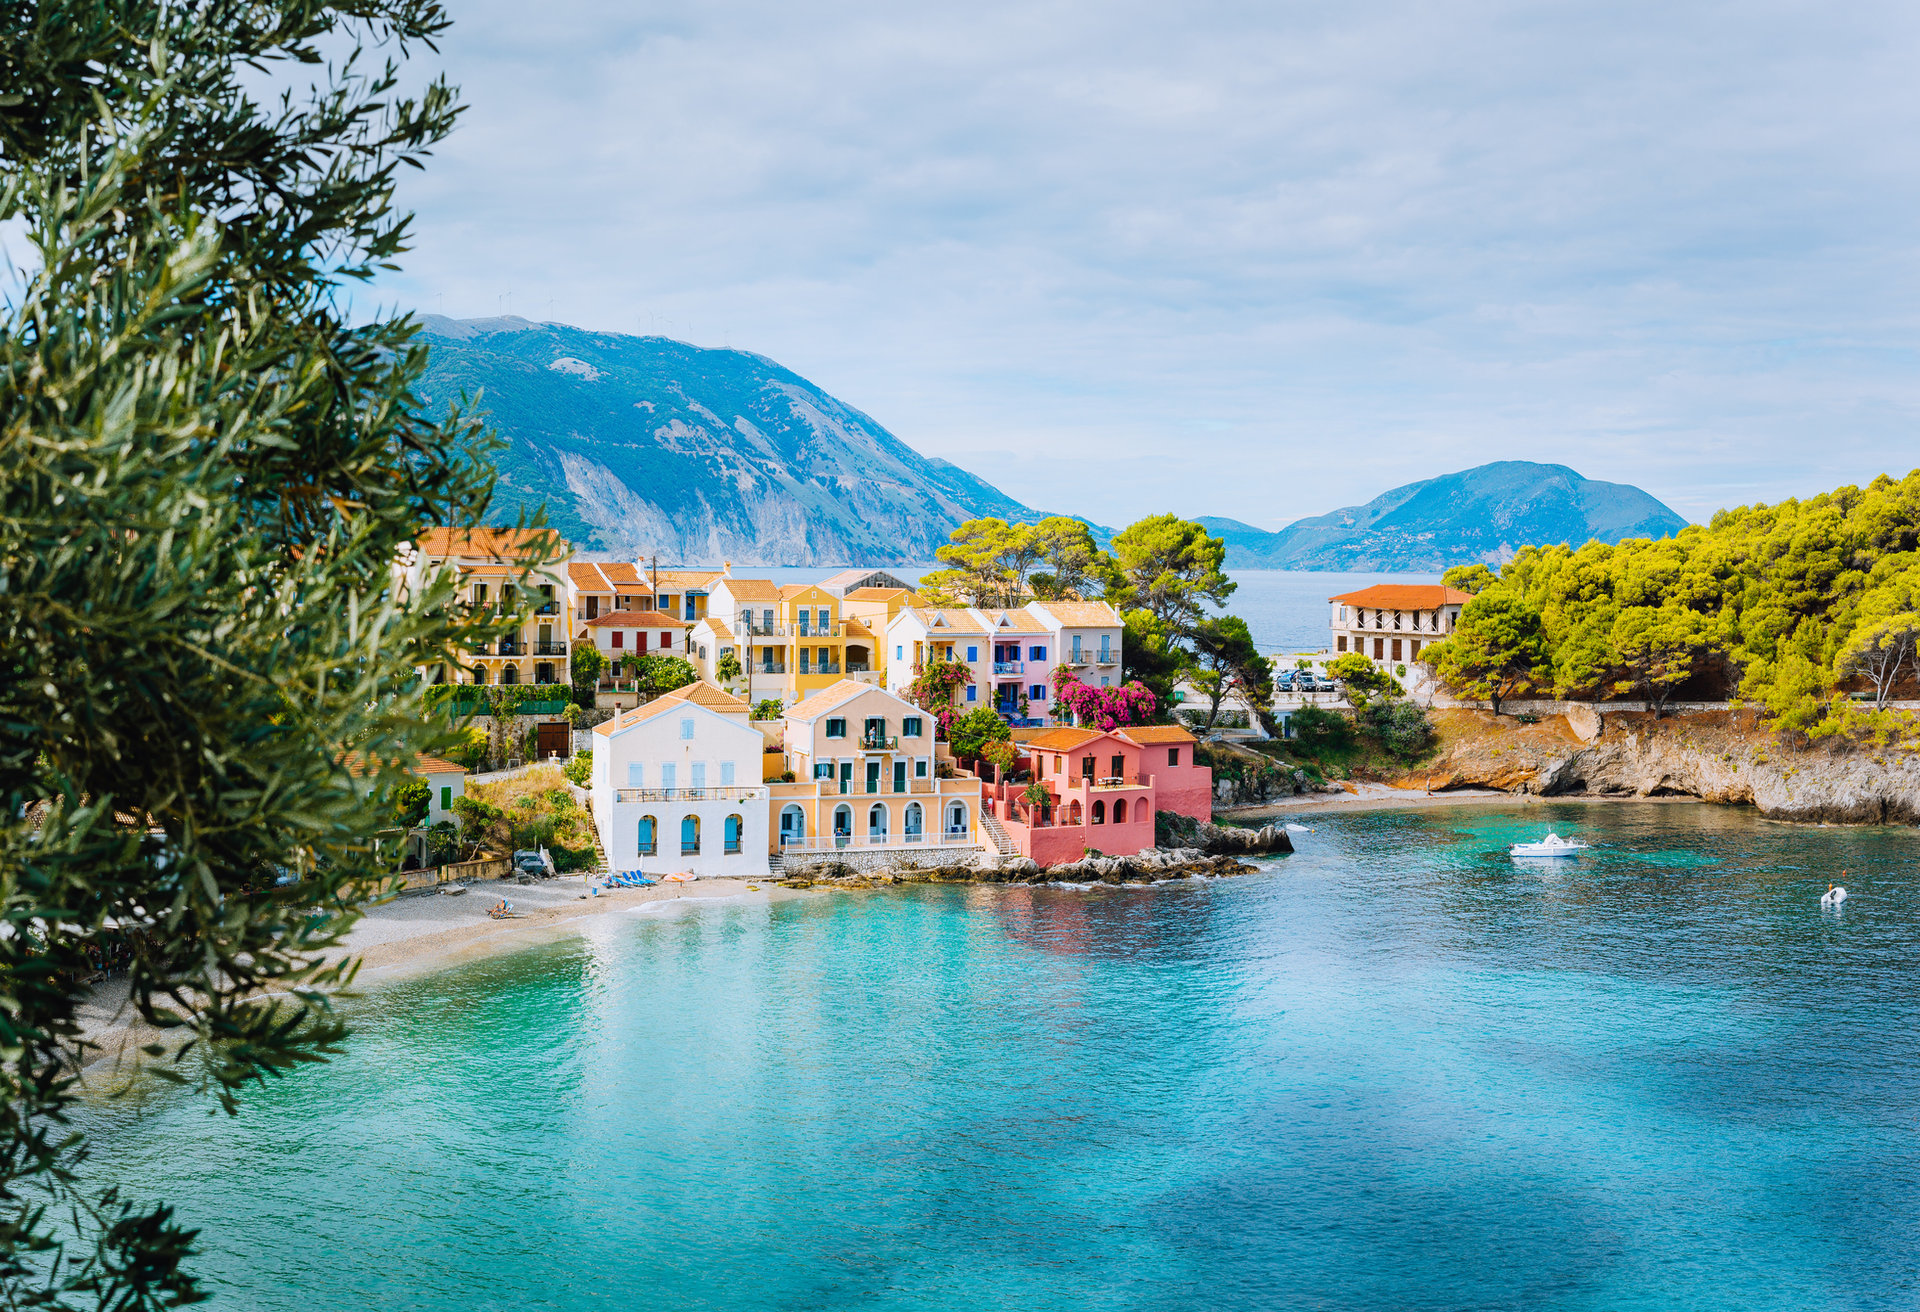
[492, 565]
[874, 609]
[791, 641]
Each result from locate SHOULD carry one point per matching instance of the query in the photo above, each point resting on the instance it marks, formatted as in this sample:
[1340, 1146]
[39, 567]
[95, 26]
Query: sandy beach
[424, 932]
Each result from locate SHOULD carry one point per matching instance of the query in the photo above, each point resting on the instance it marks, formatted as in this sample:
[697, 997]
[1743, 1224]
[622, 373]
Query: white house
[445, 781]
[1392, 622]
[676, 787]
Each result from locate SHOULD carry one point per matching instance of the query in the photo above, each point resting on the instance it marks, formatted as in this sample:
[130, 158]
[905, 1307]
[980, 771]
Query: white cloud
[1252, 260]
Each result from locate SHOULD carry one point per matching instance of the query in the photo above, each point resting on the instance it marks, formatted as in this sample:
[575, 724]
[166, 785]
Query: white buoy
[1834, 896]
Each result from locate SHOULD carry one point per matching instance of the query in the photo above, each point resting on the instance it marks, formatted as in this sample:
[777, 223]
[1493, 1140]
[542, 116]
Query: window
[911, 825]
[1099, 813]
[1340, 643]
[1036, 653]
[479, 594]
[668, 772]
[636, 775]
[699, 773]
[1173, 756]
[1343, 614]
[957, 819]
[1086, 767]
[899, 651]
[619, 640]
[1103, 681]
[690, 836]
[1106, 648]
[1037, 692]
[726, 774]
[823, 770]
[731, 834]
[842, 825]
[1120, 811]
[836, 728]
[824, 621]
[1118, 770]
[949, 655]
[446, 798]
[920, 768]
[1076, 648]
[973, 653]
[806, 660]
[793, 824]
[666, 640]
[647, 827]
[1056, 765]
[877, 821]
[766, 618]
[686, 728]
[910, 726]
[973, 693]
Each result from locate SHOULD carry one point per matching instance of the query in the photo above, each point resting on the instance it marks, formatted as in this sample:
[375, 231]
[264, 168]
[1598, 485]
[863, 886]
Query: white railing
[847, 842]
[731, 793]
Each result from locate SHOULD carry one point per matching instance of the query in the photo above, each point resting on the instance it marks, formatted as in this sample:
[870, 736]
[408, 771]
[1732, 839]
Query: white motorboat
[1551, 845]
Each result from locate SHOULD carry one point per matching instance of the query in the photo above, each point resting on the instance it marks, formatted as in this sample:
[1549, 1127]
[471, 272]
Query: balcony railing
[508, 647]
[732, 847]
[729, 793]
[690, 849]
[1119, 781]
[874, 742]
[1009, 667]
[649, 849]
[549, 608]
[769, 669]
[549, 649]
[859, 667]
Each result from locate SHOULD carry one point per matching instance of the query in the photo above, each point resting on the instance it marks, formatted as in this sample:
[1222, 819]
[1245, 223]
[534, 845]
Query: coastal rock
[1717, 756]
[1171, 829]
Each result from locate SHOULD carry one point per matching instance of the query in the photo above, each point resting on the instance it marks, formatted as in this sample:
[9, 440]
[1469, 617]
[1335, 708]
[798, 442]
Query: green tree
[1170, 567]
[988, 561]
[768, 708]
[1319, 730]
[727, 668]
[588, 664]
[1883, 639]
[1075, 565]
[1399, 726]
[974, 730]
[1659, 648]
[1226, 663]
[411, 801]
[209, 472]
[1149, 656]
[658, 674]
[1361, 678]
[1469, 578]
[1498, 649]
[579, 769]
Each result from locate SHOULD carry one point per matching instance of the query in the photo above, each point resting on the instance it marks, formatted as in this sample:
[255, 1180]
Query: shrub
[973, 731]
[580, 769]
[1318, 729]
[768, 708]
[1400, 727]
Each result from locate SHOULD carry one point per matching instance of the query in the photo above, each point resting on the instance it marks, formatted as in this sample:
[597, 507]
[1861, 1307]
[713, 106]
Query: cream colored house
[868, 775]
[489, 563]
[1392, 622]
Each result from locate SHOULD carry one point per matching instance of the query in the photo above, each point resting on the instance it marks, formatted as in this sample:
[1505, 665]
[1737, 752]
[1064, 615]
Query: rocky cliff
[1721, 756]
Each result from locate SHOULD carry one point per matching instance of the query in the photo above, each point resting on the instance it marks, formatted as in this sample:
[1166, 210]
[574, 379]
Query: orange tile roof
[855, 629]
[949, 621]
[622, 572]
[510, 544]
[1405, 596]
[1081, 614]
[1063, 740]
[635, 619]
[586, 575]
[827, 698]
[1014, 621]
[791, 590]
[686, 578]
[884, 594]
[750, 589]
[357, 763]
[699, 694]
[1153, 735]
[718, 625]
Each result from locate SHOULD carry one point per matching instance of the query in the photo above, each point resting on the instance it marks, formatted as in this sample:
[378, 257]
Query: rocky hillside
[1718, 756]
[1481, 514]
[643, 446]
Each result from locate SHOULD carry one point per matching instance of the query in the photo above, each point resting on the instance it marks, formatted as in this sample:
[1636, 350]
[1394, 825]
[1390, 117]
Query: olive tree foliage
[206, 476]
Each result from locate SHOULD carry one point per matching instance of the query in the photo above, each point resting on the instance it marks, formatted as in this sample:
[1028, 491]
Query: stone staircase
[776, 864]
[998, 834]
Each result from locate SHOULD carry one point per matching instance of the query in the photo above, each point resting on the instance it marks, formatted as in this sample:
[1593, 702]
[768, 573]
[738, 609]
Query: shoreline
[1385, 797]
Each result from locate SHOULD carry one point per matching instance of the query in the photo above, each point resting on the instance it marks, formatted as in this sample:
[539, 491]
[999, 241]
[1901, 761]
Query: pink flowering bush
[1103, 708]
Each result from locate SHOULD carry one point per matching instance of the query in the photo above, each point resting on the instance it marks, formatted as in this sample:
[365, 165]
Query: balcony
[1009, 667]
[1117, 781]
[769, 669]
[549, 608]
[874, 742]
[735, 793]
[549, 649]
[508, 647]
[837, 842]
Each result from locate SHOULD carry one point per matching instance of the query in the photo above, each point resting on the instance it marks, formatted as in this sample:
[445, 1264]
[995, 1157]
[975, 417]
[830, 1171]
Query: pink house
[1103, 790]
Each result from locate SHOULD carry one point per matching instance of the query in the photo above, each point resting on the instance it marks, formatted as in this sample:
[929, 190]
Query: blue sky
[1254, 260]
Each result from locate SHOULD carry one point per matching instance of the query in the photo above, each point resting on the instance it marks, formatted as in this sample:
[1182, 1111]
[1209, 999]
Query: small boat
[1834, 896]
[1551, 845]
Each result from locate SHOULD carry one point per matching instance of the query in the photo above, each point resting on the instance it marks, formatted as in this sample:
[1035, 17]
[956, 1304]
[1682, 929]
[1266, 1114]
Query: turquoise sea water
[1394, 1070]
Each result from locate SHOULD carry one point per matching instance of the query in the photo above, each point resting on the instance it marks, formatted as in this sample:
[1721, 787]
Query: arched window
[1073, 812]
[793, 824]
[842, 825]
[690, 836]
[957, 820]
[733, 835]
[912, 824]
[1099, 812]
[1120, 811]
[877, 823]
[649, 844]
[479, 674]
[510, 674]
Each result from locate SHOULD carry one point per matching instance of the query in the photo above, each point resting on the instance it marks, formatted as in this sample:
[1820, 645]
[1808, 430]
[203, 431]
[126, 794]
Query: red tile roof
[1405, 596]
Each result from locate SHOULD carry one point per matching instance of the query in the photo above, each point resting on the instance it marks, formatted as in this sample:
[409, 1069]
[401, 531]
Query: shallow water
[1394, 1070]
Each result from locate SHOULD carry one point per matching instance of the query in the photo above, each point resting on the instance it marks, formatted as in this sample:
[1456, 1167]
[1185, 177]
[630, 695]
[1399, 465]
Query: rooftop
[827, 698]
[499, 544]
[1081, 614]
[698, 694]
[635, 619]
[1154, 735]
[1405, 596]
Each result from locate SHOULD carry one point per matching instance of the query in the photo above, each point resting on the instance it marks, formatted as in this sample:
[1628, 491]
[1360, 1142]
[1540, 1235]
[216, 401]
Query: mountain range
[1482, 514]
[645, 446]
[642, 446]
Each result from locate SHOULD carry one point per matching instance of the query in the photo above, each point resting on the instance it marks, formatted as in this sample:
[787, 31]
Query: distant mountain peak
[1482, 514]
[651, 446]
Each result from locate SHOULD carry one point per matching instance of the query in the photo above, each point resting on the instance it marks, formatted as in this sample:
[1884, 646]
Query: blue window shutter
[973, 693]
